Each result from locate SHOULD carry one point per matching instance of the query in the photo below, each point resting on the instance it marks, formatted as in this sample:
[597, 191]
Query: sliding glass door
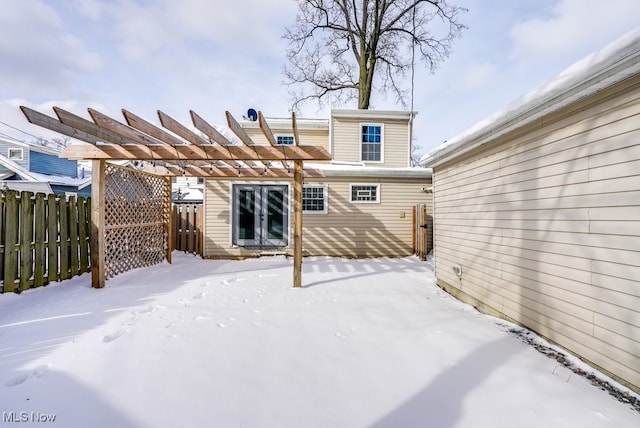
[260, 215]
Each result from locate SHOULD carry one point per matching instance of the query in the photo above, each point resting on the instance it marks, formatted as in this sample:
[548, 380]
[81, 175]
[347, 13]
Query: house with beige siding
[537, 211]
[360, 205]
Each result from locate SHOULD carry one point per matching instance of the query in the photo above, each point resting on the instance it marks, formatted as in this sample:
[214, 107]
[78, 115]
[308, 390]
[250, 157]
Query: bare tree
[351, 47]
[54, 143]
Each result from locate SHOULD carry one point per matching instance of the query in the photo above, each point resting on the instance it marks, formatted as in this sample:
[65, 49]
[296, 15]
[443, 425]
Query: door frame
[260, 216]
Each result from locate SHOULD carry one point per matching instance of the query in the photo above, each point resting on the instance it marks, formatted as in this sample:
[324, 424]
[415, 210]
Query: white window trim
[378, 193]
[16, 150]
[274, 183]
[285, 135]
[326, 199]
[381, 125]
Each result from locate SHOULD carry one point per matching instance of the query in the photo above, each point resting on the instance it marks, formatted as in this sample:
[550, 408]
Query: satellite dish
[252, 115]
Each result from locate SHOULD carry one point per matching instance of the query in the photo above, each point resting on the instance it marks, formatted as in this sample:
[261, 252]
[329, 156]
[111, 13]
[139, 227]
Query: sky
[210, 57]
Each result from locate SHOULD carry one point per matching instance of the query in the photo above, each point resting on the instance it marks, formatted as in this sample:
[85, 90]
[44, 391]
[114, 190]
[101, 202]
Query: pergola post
[297, 223]
[97, 224]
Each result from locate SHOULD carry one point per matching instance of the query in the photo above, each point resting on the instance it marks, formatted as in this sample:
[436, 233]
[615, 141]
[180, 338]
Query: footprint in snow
[23, 377]
[199, 296]
[231, 280]
[113, 336]
[146, 310]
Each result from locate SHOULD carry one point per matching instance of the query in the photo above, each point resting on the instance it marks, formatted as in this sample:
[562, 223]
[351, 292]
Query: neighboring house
[362, 207]
[25, 166]
[187, 189]
[537, 211]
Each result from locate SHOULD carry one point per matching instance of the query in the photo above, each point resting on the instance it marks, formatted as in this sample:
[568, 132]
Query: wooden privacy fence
[422, 231]
[187, 228]
[43, 238]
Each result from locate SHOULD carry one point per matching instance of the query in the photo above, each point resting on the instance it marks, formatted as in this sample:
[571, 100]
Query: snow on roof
[614, 63]
[26, 185]
[62, 180]
[189, 194]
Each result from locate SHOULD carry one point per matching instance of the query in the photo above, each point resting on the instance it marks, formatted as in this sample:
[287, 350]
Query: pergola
[180, 151]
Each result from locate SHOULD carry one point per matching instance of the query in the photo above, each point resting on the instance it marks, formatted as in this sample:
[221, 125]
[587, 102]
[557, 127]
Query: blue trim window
[371, 141]
[284, 140]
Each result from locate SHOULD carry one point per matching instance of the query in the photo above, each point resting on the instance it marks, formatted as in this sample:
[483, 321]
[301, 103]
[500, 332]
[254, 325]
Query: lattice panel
[136, 219]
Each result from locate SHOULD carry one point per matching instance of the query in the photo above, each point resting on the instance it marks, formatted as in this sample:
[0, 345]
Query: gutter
[568, 87]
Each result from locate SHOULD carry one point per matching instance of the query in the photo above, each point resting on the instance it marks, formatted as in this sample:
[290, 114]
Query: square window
[314, 199]
[365, 192]
[371, 143]
[15, 154]
[285, 140]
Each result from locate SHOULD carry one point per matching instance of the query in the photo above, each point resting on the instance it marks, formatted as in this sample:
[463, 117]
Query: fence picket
[42, 239]
[73, 236]
[64, 239]
[52, 238]
[39, 260]
[83, 237]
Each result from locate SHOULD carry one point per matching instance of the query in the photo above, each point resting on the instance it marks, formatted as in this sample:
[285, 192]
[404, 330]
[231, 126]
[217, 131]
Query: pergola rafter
[181, 151]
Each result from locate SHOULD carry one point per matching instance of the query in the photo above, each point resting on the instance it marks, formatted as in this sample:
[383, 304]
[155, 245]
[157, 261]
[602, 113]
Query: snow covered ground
[204, 343]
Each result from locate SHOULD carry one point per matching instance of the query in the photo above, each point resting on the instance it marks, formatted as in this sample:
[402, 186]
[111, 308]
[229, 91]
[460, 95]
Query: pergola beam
[118, 128]
[179, 129]
[91, 128]
[208, 129]
[264, 127]
[237, 129]
[182, 153]
[148, 128]
[52, 124]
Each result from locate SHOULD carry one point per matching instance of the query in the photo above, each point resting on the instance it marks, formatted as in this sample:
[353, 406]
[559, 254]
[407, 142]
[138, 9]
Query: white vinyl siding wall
[546, 226]
[365, 230]
[308, 137]
[347, 139]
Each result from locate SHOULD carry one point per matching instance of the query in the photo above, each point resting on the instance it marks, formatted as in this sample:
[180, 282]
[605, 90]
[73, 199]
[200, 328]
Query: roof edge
[604, 68]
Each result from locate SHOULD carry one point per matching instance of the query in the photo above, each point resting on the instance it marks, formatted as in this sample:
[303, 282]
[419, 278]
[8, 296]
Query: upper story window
[285, 140]
[15, 154]
[200, 180]
[365, 192]
[314, 198]
[371, 142]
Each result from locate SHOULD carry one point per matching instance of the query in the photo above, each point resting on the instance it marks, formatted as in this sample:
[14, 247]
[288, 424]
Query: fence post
[40, 260]
[26, 237]
[97, 224]
[73, 236]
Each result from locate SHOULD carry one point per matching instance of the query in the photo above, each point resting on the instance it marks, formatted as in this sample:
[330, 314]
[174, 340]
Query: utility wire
[38, 139]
